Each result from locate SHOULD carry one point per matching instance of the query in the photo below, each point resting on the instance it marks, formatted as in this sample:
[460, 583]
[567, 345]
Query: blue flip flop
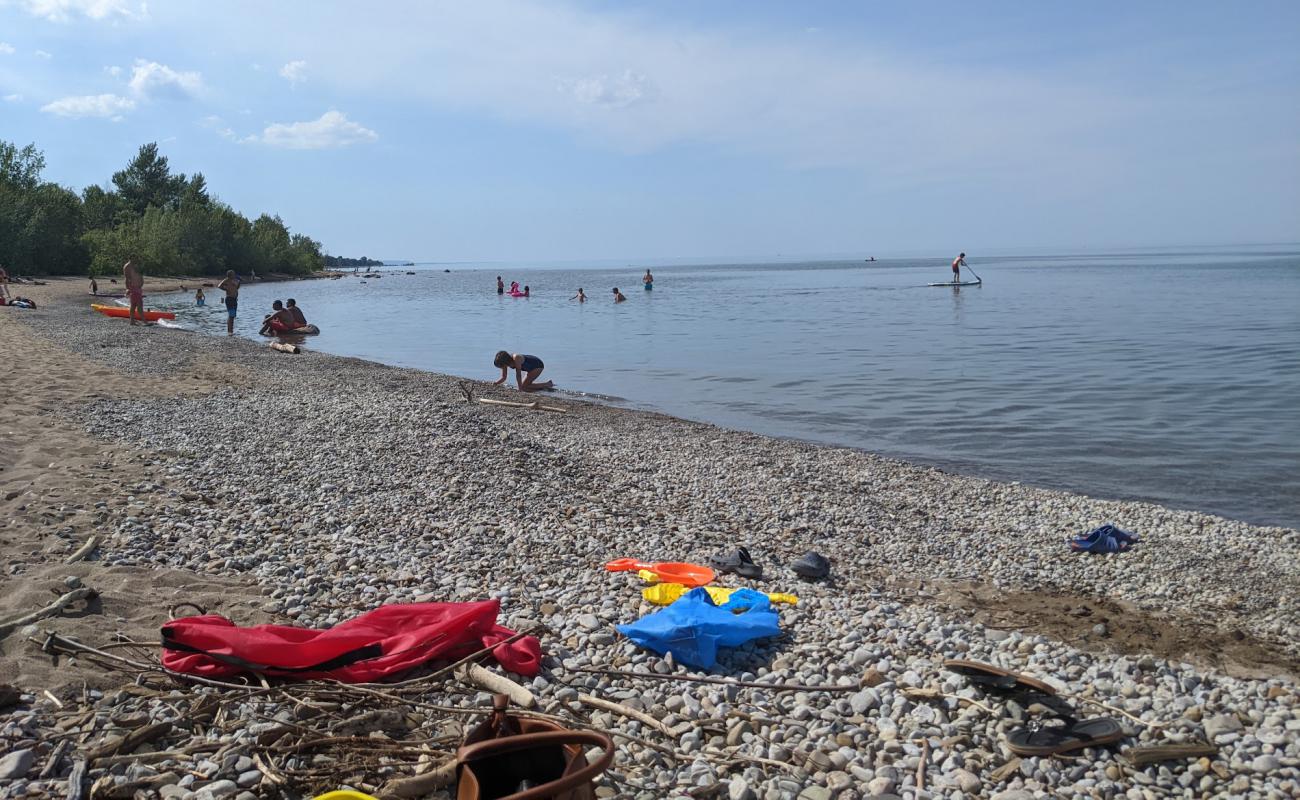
[1108, 538]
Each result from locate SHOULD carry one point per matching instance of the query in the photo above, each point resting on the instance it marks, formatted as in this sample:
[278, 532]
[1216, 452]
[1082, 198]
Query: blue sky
[507, 130]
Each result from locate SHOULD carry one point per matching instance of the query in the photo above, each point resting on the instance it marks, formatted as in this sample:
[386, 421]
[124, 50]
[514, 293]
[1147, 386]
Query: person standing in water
[648, 281]
[580, 297]
[618, 296]
[957, 264]
[501, 285]
[199, 299]
[231, 287]
[134, 289]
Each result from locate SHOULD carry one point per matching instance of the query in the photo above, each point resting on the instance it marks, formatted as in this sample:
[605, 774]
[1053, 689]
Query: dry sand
[52, 476]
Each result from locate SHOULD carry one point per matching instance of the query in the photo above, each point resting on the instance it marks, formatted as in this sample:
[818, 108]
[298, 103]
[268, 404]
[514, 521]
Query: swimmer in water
[580, 297]
[648, 281]
[527, 292]
[618, 296]
[501, 285]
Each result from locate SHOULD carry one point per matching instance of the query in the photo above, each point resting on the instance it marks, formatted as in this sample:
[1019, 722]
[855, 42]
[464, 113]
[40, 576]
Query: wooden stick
[920, 768]
[126, 744]
[776, 687]
[284, 347]
[535, 405]
[497, 684]
[627, 711]
[420, 785]
[83, 551]
[56, 758]
[74, 596]
[1118, 711]
[1141, 756]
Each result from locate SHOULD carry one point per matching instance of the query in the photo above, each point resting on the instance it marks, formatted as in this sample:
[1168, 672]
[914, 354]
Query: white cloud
[6, 49]
[333, 129]
[65, 10]
[149, 79]
[115, 71]
[44, 55]
[295, 72]
[109, 106]
[13, 98]
[619, 91]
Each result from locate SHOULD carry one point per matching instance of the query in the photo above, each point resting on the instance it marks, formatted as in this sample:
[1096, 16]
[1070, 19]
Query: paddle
[978, 278]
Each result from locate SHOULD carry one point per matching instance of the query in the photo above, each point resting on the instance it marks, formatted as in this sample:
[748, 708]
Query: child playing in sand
[527, 368]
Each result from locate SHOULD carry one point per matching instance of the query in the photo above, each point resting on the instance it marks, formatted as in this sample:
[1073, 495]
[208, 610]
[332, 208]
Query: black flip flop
[1041, 740]
[811, 565]
[990, 676]
[737, 561]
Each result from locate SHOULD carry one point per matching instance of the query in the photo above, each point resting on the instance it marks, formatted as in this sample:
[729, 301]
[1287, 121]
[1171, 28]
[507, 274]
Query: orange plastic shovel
[668, 571]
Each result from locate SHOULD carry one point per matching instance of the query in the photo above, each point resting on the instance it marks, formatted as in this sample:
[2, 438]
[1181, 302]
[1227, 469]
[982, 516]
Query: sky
[512, 130]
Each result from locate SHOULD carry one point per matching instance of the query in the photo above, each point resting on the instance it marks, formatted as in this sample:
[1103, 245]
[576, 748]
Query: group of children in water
[647, 282]
[528, 368]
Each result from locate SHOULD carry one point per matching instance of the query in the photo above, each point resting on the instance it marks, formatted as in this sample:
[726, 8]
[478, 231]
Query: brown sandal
[994, 677]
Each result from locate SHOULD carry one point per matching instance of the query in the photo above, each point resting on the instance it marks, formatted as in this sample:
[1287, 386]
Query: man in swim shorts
[295, 313]
[134, 289]
[231, 287]
[957, 264]
[278, 321]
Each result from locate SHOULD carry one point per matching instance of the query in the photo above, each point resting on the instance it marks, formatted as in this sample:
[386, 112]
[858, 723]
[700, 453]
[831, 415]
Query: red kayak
[122, 311]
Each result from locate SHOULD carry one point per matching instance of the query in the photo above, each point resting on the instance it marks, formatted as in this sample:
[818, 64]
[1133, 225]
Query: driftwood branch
[1142, 756]
[484, 678]
[83, 551]
[775, 687]
[535, 405]
[627, 711]
[53, 609]
[420, 785]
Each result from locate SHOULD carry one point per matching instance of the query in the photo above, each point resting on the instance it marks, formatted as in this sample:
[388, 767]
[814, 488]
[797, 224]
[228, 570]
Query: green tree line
[167, 223]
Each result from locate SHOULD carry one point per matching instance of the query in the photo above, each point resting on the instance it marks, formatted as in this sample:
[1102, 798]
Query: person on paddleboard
[957, 264]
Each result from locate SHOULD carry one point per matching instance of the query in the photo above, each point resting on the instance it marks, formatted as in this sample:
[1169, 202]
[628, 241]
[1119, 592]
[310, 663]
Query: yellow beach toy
[344, 794]
[662, 594]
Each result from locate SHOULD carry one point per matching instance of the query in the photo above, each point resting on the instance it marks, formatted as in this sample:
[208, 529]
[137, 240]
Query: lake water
[1168, 376]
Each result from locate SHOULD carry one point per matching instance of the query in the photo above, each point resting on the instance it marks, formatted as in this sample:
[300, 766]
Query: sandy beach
[308, 489]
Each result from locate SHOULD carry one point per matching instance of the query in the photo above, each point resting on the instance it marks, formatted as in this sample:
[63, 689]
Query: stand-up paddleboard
[958, 283]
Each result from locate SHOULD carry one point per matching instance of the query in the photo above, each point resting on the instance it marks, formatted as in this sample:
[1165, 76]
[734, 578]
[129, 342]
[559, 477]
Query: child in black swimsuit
[527, 369]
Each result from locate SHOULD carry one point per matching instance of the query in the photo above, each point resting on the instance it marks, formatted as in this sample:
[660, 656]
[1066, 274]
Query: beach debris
[1152, 754]
[83, 551]
[73, 597]
[497, 684]
[535, 405]
[285, 347]
[467, 389]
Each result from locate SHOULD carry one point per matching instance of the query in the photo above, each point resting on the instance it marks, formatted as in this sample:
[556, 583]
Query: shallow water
[1169, 376]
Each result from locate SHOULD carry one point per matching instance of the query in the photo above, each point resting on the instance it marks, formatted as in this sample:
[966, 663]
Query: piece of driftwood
[1005, 771]
[419, 785]
[535, 405]
[1142, 756]
[77, 781]
[627, 711]
[53, 609]
[920, 767]
[56, 759]
[83, 551]
[484, 678]
[775, 687]
[121, 745]
[285, 347]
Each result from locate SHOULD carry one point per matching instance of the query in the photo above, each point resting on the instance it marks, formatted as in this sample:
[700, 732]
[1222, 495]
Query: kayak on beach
[119, 311]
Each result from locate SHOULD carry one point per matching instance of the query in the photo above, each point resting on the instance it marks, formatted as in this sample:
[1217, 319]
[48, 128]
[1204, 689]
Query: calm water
[1173, 377]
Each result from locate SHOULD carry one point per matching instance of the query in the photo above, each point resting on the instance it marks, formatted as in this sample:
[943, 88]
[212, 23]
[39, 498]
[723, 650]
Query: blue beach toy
[693, 628]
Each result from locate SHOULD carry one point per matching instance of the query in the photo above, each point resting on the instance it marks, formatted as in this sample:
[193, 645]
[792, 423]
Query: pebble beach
[307, 489]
